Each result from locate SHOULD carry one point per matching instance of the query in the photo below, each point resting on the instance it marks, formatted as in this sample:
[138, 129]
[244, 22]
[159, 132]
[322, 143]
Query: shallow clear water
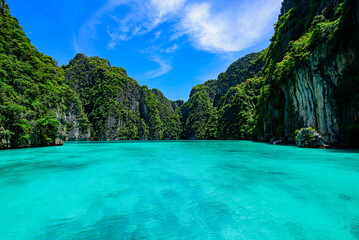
[179, 190]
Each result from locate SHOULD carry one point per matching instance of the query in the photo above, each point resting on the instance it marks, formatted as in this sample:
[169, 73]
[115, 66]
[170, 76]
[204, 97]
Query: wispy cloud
[169, 49]
[144, 17]
[167, 7]
[88, 30]
[163, 68]
[233, 29]
[209, 25]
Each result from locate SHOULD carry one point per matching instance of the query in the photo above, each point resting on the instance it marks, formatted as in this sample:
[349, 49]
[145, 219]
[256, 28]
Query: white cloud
[115, 36]
[210, 25]
[163, 68]
[87, 31]
[166, 7]
[232, 29]
[170, 49]
[158, 35]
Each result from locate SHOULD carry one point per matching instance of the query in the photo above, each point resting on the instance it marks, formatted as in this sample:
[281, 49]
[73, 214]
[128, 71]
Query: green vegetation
[214, 108]
[256, 97]
[237, 112]
[33, 94]
[308, 74]
[163, 120]
[308, 137]
[200, 116]
[117, 107]
[43, 104]
[317, 37]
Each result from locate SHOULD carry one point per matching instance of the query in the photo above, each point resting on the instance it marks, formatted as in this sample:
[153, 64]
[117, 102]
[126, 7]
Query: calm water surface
[179, 190]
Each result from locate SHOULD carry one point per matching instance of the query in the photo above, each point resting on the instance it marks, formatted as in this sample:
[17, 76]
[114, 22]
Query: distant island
[308, 77]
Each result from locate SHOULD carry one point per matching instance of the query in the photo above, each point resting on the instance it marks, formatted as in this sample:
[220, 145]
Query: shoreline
[179, 140]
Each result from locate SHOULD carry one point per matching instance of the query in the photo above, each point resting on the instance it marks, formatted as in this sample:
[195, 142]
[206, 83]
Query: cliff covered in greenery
[42, 104]
[34, 99]
[307, 77]
[117, 107]
[311, 73]
[203, 113]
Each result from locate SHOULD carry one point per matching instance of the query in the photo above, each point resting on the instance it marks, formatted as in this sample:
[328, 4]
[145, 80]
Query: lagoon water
[179, 190]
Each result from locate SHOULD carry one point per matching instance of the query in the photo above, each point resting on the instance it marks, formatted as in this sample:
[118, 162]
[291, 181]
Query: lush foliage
[33, 95]
[116, 106]
[237, 112]
[200, 117]
[332, 30]
[41, 103]
[308, 137]
[250, 97]
[214, 108]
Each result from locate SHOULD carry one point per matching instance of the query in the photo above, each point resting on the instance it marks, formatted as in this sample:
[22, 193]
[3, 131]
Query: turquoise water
[179, 190]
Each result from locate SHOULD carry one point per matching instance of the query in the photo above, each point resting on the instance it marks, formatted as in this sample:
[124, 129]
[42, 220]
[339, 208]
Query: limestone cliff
[307, 77]
[317, 75]
[200, 114]
[37, 108]
[117, 107]
[42, 104]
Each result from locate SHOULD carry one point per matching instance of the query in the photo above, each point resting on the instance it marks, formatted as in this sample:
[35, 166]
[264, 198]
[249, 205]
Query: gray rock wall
[310, 96]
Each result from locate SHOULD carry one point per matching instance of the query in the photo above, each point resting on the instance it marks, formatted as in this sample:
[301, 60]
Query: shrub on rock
[309, 137]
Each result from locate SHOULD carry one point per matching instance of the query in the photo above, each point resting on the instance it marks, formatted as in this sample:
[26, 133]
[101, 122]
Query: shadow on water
[110, 227]
[234, 151]
[26, 167]
[346, 197]
[343, 150]
[355, 231]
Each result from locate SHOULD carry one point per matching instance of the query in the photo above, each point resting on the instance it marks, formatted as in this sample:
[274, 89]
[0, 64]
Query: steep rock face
[200, 113]
[199, 117]
[117, 107]
[33, 94]
[312, 94]
[77, 126]
[237, 111]
[109, 97]
[307, 77]
[177, 104]
[316, 76]
[239, 71]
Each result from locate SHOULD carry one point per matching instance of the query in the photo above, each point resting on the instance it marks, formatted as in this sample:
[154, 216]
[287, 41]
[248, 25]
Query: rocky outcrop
[34, 99]
[238, 72]
[200, 113]
[76, 127]
[317, 89]
[311, 94]
[117, 107]
[309, 138]
[177, 104]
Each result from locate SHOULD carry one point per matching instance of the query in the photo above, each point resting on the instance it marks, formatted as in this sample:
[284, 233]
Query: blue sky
[171, 45]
